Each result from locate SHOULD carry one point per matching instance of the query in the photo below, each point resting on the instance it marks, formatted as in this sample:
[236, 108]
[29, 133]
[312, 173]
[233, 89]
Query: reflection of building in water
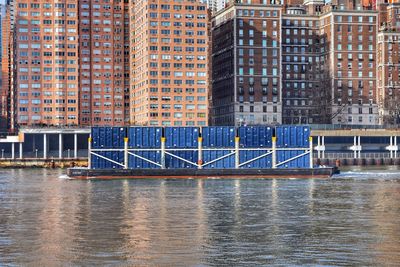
[157, 214]
[237, 199]
[384, 206]
[56, 221]
[136, 219]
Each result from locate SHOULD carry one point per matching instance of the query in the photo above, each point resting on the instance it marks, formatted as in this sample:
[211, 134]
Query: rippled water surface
[352, 219]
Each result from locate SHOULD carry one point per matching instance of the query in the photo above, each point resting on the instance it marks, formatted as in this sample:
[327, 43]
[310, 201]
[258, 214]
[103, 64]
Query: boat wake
[65, 177]
[370, 175]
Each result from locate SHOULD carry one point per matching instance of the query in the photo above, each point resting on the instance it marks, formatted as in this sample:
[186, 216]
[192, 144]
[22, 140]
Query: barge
[206, 152]
[85, 173]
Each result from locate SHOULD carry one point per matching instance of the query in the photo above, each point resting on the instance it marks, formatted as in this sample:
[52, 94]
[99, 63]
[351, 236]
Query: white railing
[199, 164]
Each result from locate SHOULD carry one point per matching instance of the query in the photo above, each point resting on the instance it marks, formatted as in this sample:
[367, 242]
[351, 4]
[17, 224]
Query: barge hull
[84, 173]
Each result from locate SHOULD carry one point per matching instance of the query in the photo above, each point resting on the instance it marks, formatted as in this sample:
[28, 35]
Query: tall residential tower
[169, 63]
[46, 62]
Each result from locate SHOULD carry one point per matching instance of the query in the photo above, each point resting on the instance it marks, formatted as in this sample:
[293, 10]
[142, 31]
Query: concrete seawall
[358, 162]
[43, 163]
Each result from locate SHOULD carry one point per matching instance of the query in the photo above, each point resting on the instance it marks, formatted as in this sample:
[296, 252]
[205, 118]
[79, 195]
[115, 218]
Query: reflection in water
[352, 219]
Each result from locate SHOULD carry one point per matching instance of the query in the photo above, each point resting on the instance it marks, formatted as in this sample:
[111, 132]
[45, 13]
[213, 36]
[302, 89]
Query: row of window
[354, 19]
[177, 16]
[49, 77]
[251, 109]
[47, 109]
[264, 99]
[260, 13]
[48, 69]
[251, 23]
[23, 118]
[50, 30]
[178, 24]
[297, 32]
[177, 65]
[251, 33]
[178, 123]
[178, 82]
[251, 52]
[175, 32]
[178, 106]
[46, 5]
[264, 61]
[177, 90]
[178, 98]
[177, 115]
[302, 23]
[47, 93]
[264, 71]
[360, 38]
[177, 7]
[45, 101]
[360, 47]
[360, 56]
[360, 119]
[177, 57]
[360, 28]
[359, 74]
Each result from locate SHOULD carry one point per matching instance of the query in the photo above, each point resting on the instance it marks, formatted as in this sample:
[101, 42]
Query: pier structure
[377, 145]
[368, 144]
[45, 143]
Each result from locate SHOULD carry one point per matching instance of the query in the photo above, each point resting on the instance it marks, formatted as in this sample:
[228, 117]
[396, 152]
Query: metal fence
[350, 155]
[349, 126]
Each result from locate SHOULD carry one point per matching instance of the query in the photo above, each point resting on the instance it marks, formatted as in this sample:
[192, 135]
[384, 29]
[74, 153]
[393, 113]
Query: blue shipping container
[182, 143]
[181, 138]
[292, 136]
[144, 138]
[218, 136]
[255, 136]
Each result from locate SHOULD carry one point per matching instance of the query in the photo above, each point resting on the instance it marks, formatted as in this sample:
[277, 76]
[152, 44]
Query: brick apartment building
[104, 62]
[46, 60]
[325, 72]
[71, 62]
[246, 60]
[388, 62]
[169, 63]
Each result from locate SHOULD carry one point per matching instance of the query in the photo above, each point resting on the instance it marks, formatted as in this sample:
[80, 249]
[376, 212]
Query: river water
[351, 219]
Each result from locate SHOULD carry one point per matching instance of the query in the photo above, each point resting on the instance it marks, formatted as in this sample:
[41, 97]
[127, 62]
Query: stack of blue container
[177, 138]
[292, 137]
[222, 138]
[257, 137]
[108, 138]
[182, 143]
[144, 138]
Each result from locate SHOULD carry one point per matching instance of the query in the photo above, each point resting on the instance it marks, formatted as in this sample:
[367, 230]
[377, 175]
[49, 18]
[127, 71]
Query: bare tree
[322, 99]
[391, 108]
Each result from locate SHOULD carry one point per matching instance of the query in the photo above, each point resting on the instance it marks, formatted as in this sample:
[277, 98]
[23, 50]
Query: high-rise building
[351, 31]
[303, 68]
[46, 62]
[72, 63]
[217, 5]
[169, 63]
[388, 62]
[7, 92]
[103, 77]
[311, 63]
[246, 60]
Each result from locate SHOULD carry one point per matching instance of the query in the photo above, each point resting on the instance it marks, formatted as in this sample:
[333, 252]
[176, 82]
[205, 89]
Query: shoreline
[43, 163]
[83, 162]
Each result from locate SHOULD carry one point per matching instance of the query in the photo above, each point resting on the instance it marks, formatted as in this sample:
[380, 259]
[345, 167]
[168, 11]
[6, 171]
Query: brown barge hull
[84, 173]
